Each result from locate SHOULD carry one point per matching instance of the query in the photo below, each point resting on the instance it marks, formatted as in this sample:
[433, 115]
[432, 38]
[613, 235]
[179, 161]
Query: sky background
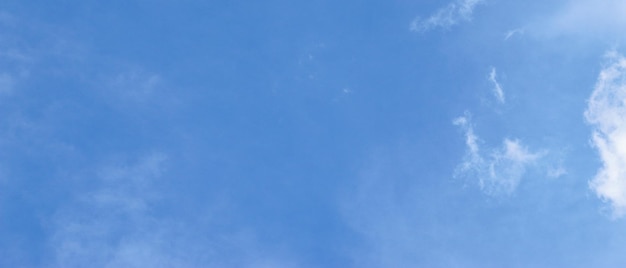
[462, 133]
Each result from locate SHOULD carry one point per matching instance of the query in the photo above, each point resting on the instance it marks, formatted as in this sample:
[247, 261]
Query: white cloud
[499, 170]
[606, 113]
[447, 16]
[497, 89]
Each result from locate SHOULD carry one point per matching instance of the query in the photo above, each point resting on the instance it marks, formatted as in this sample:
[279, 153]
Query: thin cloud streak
[606, 113]
[446, 17]
[497, 88]
[511, 33]
[587, 18]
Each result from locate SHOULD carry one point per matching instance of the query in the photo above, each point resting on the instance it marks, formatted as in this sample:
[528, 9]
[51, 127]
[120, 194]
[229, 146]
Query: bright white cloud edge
[606, 113]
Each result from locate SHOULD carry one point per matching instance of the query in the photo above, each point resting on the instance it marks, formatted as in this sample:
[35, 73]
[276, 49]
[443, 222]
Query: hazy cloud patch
[112, 226]
[136, 84]
[514, 32]
[446, 17]
[498, 170]
[556, 172]
[120, 222]
[606, 113]
[586, 18]
[497, 88]
[7, 82]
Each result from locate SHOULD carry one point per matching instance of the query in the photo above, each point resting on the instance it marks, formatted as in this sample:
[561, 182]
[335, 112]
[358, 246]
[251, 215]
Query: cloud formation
[447, 16]
[606, 113]
[498, 170]
[497, 89]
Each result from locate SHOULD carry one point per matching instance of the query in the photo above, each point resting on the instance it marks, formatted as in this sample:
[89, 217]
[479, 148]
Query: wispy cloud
[15, 61]
[498, 170]
[7, 82]
[511, 33]
[447, 16]
[497, 89]
[606, 113]
[112, 225]
[388, 210]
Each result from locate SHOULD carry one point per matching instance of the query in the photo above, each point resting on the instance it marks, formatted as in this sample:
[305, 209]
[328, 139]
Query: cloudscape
[258, 134]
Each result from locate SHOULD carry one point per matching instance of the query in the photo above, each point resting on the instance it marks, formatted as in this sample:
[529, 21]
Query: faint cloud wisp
[511, 33]
[447, 16]
[596, 19]
[497, 88]
[7, 82]
[113, 226]
[499, 170]
[136, 85]
[556, 172]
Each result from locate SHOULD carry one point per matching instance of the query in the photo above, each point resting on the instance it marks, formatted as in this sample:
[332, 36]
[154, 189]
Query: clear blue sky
[456, 133]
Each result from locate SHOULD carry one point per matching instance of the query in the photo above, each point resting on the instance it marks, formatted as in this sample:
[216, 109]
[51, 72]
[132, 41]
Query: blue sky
[461, 133]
